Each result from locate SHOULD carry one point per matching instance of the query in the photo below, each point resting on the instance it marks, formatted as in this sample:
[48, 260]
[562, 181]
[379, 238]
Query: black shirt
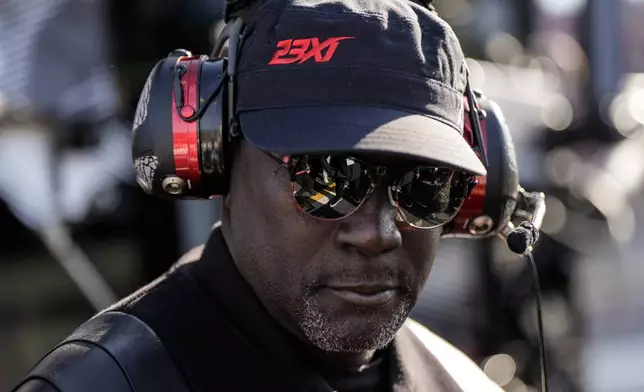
[221, 338]
[372, 377]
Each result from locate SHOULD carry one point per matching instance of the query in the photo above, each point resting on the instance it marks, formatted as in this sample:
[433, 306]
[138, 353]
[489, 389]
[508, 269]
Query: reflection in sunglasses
[333, 187]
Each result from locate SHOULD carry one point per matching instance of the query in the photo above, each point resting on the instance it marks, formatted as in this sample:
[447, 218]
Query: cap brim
[345, 129]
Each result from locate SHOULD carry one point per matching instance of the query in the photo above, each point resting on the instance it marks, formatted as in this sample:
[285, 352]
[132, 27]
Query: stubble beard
[336, 335]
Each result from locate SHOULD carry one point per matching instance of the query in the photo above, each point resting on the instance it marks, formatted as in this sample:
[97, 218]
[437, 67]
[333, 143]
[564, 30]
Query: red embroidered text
[291, 51]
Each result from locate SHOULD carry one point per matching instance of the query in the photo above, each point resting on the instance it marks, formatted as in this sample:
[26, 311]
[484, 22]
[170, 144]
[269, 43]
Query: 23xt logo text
[291, 51]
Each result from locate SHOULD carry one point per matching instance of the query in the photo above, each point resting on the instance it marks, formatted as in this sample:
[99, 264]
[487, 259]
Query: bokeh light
[501, 368]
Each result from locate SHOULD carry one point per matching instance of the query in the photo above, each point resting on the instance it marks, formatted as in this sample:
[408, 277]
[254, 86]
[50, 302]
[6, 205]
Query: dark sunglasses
[334, 187]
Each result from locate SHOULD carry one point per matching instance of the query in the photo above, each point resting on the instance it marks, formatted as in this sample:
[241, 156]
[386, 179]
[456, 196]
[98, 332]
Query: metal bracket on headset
[531, 206]
[234, 39]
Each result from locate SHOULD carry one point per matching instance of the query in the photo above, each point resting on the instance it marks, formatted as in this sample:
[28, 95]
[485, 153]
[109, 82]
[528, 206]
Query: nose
[371, 230]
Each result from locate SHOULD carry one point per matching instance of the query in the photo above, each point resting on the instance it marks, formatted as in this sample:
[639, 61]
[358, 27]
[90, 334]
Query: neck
[344, 360]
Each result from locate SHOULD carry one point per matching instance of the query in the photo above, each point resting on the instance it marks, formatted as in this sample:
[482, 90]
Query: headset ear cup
[502, 187]
[492, 201]
[174, 157]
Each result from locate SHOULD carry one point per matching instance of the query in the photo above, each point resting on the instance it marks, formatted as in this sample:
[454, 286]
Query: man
[294, 293]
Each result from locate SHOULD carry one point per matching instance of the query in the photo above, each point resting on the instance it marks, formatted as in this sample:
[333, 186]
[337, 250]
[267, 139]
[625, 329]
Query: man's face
[344, 286]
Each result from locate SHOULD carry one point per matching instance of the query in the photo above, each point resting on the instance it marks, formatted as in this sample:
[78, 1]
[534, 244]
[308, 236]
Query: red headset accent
[185, 134]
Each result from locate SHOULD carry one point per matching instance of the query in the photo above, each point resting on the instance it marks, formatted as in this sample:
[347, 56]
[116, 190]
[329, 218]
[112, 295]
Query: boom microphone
[521, 239]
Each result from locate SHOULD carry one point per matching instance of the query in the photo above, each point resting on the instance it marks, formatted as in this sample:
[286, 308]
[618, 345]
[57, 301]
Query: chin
[352, 332]
[355, 341]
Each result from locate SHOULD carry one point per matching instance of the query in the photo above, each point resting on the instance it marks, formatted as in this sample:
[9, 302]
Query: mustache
[348, 268]
[378, 274]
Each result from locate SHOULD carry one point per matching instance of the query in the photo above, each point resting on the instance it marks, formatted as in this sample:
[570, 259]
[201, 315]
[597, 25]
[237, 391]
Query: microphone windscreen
[534, 232]
[520, 239]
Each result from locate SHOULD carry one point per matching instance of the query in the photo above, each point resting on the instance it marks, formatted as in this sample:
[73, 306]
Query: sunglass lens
[330, 187]
[431, 197]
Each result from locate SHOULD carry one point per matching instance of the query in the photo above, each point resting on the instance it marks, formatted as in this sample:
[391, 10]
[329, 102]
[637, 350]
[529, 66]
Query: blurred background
[76, 232]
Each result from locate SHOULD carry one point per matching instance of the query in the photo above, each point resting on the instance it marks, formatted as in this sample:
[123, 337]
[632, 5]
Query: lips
[373, 294]
[364, 288]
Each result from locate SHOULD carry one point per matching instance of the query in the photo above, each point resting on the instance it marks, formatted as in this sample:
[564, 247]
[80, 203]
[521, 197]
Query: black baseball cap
[342, 76]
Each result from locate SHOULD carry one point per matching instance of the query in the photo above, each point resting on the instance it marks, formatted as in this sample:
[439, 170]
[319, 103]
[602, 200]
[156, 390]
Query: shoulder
[111, 352]
[459, 366]
[75, 366]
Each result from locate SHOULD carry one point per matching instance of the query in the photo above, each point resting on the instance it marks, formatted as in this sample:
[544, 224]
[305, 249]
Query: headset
[185, 121]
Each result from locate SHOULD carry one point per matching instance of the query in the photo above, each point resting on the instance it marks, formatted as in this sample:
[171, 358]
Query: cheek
[284, 239]
[421, 247]
[290, 226]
